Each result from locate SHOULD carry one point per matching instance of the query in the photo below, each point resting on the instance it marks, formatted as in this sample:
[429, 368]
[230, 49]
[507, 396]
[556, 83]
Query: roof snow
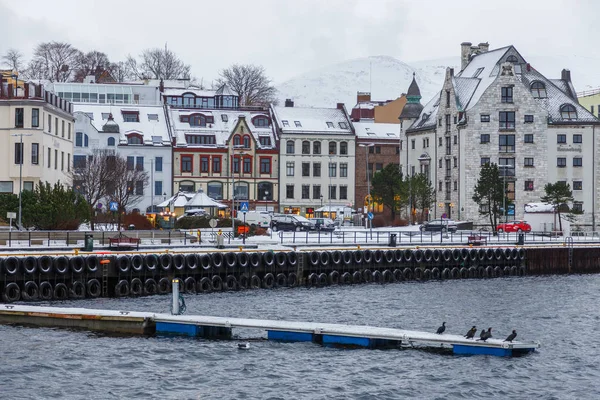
[320, 120]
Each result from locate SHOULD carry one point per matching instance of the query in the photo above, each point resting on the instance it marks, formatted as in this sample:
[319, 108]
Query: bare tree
[91, 63]
[55, 61]
[126, 185]
[119, 71]
[13, 58]
[250, 83]
[91, 178]
[158, 64]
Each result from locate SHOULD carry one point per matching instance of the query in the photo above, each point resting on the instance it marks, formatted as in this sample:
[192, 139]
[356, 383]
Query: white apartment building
[316, 158]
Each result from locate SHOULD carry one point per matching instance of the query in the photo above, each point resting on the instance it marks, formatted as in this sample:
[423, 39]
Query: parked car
[514, 226]
[195, 212]
[437, 225]
[256, 218]
[323, 224]
[291, 223]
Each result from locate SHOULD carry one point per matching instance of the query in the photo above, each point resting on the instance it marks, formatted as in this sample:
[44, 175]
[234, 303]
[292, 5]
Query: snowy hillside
[390, 78]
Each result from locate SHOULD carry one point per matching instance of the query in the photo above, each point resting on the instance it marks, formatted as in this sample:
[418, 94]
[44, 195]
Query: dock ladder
[569, 243]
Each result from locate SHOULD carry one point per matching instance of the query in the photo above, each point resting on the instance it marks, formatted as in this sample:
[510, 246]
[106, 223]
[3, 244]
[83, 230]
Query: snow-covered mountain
[387, 78]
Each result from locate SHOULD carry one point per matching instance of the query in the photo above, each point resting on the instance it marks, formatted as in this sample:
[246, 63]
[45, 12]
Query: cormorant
[489, 333]
[441, 329]
[483, 335]
[512, 336]
[471, 333]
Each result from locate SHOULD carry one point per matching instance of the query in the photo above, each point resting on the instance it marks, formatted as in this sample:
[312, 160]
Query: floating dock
[146, 323]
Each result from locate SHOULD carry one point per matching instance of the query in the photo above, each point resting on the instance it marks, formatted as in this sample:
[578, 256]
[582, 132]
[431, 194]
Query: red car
[514, 226]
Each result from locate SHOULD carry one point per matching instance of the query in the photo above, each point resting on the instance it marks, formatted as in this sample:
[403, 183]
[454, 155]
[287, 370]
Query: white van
[256, 218]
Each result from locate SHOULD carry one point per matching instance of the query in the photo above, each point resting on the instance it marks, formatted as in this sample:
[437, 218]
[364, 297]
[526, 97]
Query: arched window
[188, 100]
[344, 148]
[512, 59]
[317, 147]
[306, 147]
[290, 147]
[197, 120]
[236, 140]
[241, 191]
[538, 90]
[86, 140]
[261, 121]
[215, 190]
[332, 148]
[265, 191]
[567, 111]
[186, 186]
[111, 141]
[246, 142]
[135, 138]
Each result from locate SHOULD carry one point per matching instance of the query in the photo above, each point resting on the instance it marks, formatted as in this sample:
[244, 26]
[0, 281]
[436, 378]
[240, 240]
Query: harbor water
[560, 311]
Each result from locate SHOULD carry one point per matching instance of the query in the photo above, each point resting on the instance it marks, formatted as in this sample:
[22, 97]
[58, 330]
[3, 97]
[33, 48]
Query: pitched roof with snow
[377, 131]
[428, 117]
[312, 120]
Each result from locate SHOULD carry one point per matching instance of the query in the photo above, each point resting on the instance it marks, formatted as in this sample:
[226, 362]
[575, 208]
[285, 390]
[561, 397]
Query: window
[247, 165]
[332, 170]
[134, 139]
[379, 167]
[528, 162]
[371, 150]
[35, 153]
[343, 192]
[344, 148]
[241, 191]
[200, 139]
[507, 143]
[158, 164]
[204, 163]
[528, 119]
[455, 162]
[412, 144]
[528, 186]
[78, 139]
[63, 128]
[50, 155]
[131, 117]
[6, 187]
[28, 186]
[455, 186]
[265, 191]
[236, 165]
[186, 186]
[55, 159]
[289, 191]
[528, 138]
[261, 121]
[332, 192]
[577, 138]
[455, 141]
[440, 186]
[236, 140]
[152, 117]
[512, 59]
[485, 138]
[305, 169]
[316, 192]
[538, 90]
[285, 123]
[561, 162]
[186, 163]
[377, 149]
[215, 190]
[329, 125]
[448, 127]
[224, 118]
[79, 161]
[370, 170]
[577, 207]
[507, 120]
[139, 163]
[568, 111]
[440, 142]
[139, 188]
[216, 164]
[316, 147]
[264, 141]
[317, 169]
[577, 185]
[397, 149]
[455, 119]
[298, 124]
[19, 152]
[306, 147]
[35, 117]
[577, 161]
[158, 188]
[289, 168]
[69, 130]
[507, 94]
[19, 117]
[306, 191]
[507, 166]
[49, 123]
[343, 125]
[332, 148]
[447, 98]
[68, 162]
[111, 141]
[561, 138]
[343, 170]
[246, 142]
[62, 160]
[290, 147]
[485, 160]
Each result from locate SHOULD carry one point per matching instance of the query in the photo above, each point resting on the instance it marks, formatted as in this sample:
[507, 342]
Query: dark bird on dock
[471, 333]
[483, 335]
[489, 333]
[512, 336]
[441, 329]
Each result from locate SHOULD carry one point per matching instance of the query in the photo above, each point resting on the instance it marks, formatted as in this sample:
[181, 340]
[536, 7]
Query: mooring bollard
[175, 308]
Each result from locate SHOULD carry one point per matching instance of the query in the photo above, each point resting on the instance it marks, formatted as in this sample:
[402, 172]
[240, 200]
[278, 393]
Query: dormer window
[538, 90]
[197, 120]
[261, 121]
[131, 116]
[188, 100]
[298, 124]
[105, 116]
[135, 138]
[568, 111]
[330, 124]
[343, 125]
[285, 122]
[265, 141]
[512, 59]
[224, 117]
[152, 117]
[236, 140]
[246, 142]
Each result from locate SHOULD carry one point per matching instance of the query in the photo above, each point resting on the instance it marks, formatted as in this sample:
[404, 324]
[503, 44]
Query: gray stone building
[500, 109]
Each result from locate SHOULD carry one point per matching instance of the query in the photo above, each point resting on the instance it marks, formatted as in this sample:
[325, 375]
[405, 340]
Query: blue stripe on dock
[290, 336]
[346, 340]
[492, 351]
[170, 328]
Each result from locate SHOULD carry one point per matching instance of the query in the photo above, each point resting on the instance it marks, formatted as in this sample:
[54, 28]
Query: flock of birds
[485, 335]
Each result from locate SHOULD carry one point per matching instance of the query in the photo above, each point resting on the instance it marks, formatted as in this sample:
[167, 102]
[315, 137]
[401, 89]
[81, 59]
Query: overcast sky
[292, 37]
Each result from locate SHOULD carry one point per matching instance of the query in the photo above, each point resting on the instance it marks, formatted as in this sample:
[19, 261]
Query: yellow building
[590, 99]
[8, 76]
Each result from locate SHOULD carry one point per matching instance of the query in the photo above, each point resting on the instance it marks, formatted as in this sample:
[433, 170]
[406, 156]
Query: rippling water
[562, 312]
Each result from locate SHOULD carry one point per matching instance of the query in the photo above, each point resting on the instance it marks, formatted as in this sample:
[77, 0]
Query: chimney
[451, 71]
[565, 75]
[465, 48]
[26, 87]
[484, 47]
[340, 106]
[289, 103]
[362, 97]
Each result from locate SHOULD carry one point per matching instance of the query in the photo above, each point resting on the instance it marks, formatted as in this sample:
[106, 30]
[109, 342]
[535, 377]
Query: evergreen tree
[490, 193]
[386, 188]
[423, 194]
[558, 194]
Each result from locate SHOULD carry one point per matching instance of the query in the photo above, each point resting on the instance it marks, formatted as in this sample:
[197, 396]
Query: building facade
[39, 129]
[590, 99]
[316, 159]
[384, 112]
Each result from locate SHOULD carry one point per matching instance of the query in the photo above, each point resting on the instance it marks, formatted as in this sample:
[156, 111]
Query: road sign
[212, 223]
[99, 206]
[11, 215]
[370, 215]
[244, 207]
[113, 206]
[511, 209]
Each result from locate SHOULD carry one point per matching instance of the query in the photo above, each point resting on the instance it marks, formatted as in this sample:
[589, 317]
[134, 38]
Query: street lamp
[504, 167]
[330, 187]
[239, 146]
[366, 146]
[21, 150]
